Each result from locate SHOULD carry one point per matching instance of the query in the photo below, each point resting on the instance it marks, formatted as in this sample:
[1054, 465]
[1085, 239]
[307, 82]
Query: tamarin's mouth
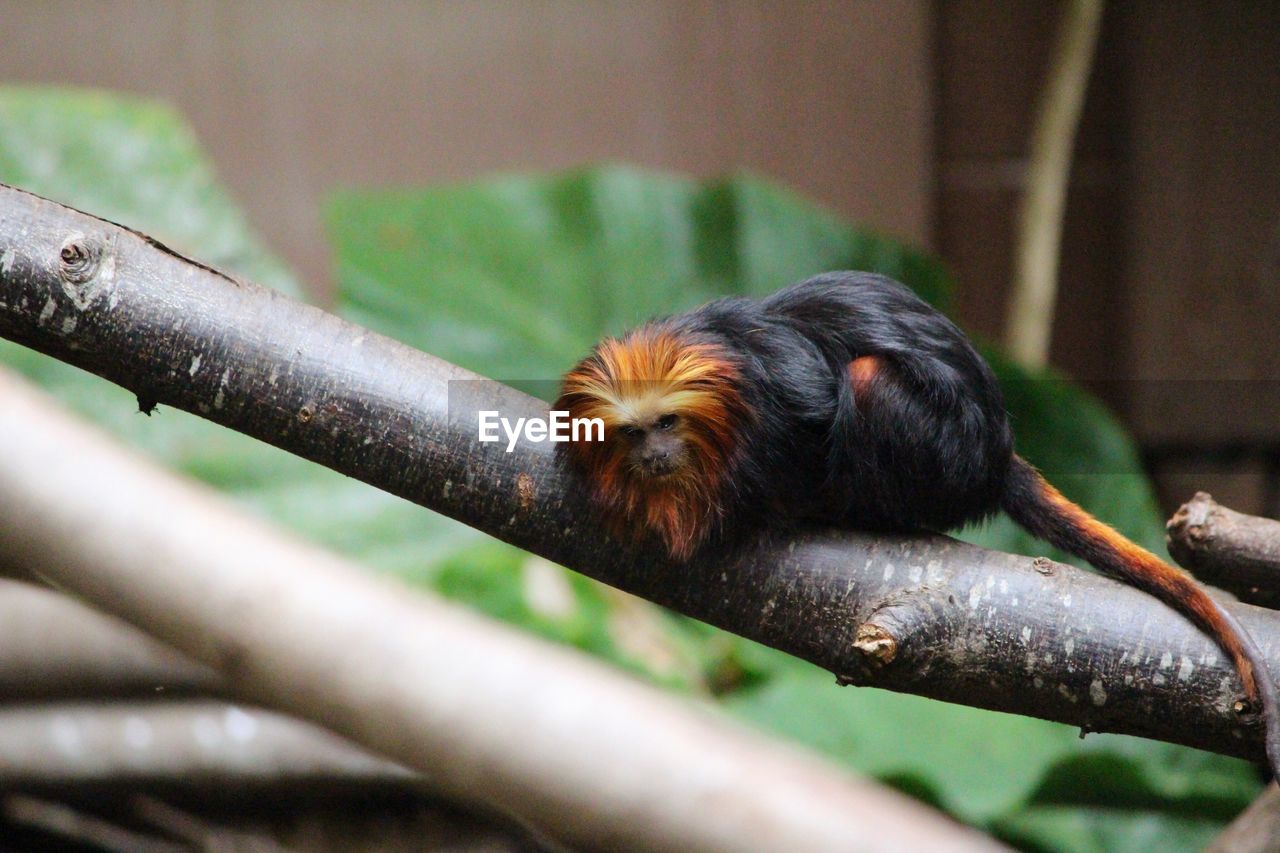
[658, 470]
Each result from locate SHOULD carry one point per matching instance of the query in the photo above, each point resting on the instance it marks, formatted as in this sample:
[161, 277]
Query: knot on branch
[79, 258]
[85, 268]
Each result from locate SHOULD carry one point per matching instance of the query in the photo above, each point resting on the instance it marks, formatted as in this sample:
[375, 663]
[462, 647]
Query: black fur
[928, 451]
[925, 444]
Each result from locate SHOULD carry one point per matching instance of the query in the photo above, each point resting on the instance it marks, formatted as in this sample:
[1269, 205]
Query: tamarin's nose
[656, 459]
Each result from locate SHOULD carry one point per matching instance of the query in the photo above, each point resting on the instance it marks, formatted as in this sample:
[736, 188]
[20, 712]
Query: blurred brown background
[908, 115]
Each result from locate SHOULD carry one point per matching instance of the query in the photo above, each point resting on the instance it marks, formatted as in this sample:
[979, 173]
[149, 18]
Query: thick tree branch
[488, 713]
[196, 742]
[926, 615]
[1228, 549]
[54, 647]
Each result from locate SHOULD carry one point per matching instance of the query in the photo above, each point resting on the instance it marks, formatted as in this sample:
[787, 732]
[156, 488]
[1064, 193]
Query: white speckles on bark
[220, 397]
[1186, 669]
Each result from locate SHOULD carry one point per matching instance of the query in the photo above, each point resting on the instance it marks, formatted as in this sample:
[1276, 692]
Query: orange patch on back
[862, 372]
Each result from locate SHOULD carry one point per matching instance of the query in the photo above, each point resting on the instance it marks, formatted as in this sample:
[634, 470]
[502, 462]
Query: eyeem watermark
[556, 428]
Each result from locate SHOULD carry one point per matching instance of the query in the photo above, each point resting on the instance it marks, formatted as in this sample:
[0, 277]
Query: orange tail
[1040, 508]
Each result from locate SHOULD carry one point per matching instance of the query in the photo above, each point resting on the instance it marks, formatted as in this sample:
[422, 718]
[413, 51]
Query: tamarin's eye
[630, 431]
[666, 421]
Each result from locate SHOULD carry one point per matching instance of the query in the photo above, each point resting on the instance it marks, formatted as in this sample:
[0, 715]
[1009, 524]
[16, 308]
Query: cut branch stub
[1239, 553]
[875, 641]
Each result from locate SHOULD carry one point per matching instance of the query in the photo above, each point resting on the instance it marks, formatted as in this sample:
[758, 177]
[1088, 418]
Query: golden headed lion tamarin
[843, 400]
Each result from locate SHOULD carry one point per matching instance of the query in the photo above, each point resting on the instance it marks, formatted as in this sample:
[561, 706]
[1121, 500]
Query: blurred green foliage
[515, 277]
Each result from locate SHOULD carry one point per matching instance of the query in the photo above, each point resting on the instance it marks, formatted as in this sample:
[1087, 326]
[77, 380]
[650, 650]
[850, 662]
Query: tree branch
[75, 825]
[489, 713]
[1228, 549]
[926, 615]
[200, 742]
[55, 647]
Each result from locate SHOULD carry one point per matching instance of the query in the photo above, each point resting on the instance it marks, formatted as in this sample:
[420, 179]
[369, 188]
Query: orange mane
[652, 369]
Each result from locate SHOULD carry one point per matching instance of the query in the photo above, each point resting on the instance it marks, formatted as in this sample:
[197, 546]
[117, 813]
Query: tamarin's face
[671, 411]
[653, 440]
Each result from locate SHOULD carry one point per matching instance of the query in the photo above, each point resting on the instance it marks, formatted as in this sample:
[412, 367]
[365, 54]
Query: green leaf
[130, 160]
[1072, 438]
[1057, 829]
[914, 743]
[517, 277]
[1133, 773]
[136, 161]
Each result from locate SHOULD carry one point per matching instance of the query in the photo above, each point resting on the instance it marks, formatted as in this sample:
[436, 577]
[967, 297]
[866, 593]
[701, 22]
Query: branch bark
[55, 647]
[1225, 548]
[195, 742]
[490, 714]
[926, 615]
